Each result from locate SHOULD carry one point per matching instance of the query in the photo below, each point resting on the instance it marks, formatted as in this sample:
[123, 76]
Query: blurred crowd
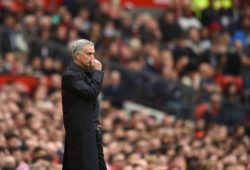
[32, 135]
[206, 50]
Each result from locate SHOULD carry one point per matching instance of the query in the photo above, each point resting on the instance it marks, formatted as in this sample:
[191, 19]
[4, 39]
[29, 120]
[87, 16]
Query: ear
[77, 55]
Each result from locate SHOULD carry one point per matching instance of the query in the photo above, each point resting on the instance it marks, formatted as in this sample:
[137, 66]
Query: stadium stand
[192, 63]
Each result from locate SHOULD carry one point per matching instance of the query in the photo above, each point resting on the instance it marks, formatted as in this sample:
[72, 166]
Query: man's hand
[96, 65]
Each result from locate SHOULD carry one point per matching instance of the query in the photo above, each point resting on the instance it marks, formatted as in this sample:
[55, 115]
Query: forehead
[89, 48]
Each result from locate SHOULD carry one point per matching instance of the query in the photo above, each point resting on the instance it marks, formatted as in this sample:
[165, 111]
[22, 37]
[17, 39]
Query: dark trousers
[101, 162]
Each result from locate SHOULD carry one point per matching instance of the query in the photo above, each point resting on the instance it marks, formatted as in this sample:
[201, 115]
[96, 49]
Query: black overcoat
[80, 90]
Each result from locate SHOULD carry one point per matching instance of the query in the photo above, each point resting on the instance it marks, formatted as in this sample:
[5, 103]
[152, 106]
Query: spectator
[193, 41]
[213, 56]
[170, 29]
[233, 64]
[188, 19]
[232, 108]
[213, 109]
[207, 84]
[118, 162]
[115, 91]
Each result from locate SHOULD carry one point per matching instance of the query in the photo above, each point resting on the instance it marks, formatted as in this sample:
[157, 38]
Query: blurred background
[176, 91]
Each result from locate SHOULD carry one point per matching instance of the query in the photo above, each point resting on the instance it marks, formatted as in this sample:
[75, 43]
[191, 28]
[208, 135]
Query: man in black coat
[81, 84]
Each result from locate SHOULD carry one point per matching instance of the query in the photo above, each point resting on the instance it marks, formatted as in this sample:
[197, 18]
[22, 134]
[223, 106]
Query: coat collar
[78, 68]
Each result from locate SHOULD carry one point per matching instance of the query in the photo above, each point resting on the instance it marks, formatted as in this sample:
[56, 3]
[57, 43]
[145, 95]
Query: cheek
[86, 60]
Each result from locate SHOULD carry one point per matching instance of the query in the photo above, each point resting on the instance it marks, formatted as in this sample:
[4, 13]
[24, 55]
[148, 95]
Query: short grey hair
[79, 45]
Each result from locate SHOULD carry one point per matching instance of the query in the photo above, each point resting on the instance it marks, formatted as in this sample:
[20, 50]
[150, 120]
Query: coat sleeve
[88, 89]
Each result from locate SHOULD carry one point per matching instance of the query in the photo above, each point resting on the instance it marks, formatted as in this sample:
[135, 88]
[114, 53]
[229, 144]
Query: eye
[90, 53]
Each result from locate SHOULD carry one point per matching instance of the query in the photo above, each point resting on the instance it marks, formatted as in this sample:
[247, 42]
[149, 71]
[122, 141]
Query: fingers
[97, 61]
[93, 62]
[97, 65]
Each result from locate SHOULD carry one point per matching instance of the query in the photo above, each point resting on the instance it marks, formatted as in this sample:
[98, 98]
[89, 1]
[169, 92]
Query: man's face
[87, 56]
